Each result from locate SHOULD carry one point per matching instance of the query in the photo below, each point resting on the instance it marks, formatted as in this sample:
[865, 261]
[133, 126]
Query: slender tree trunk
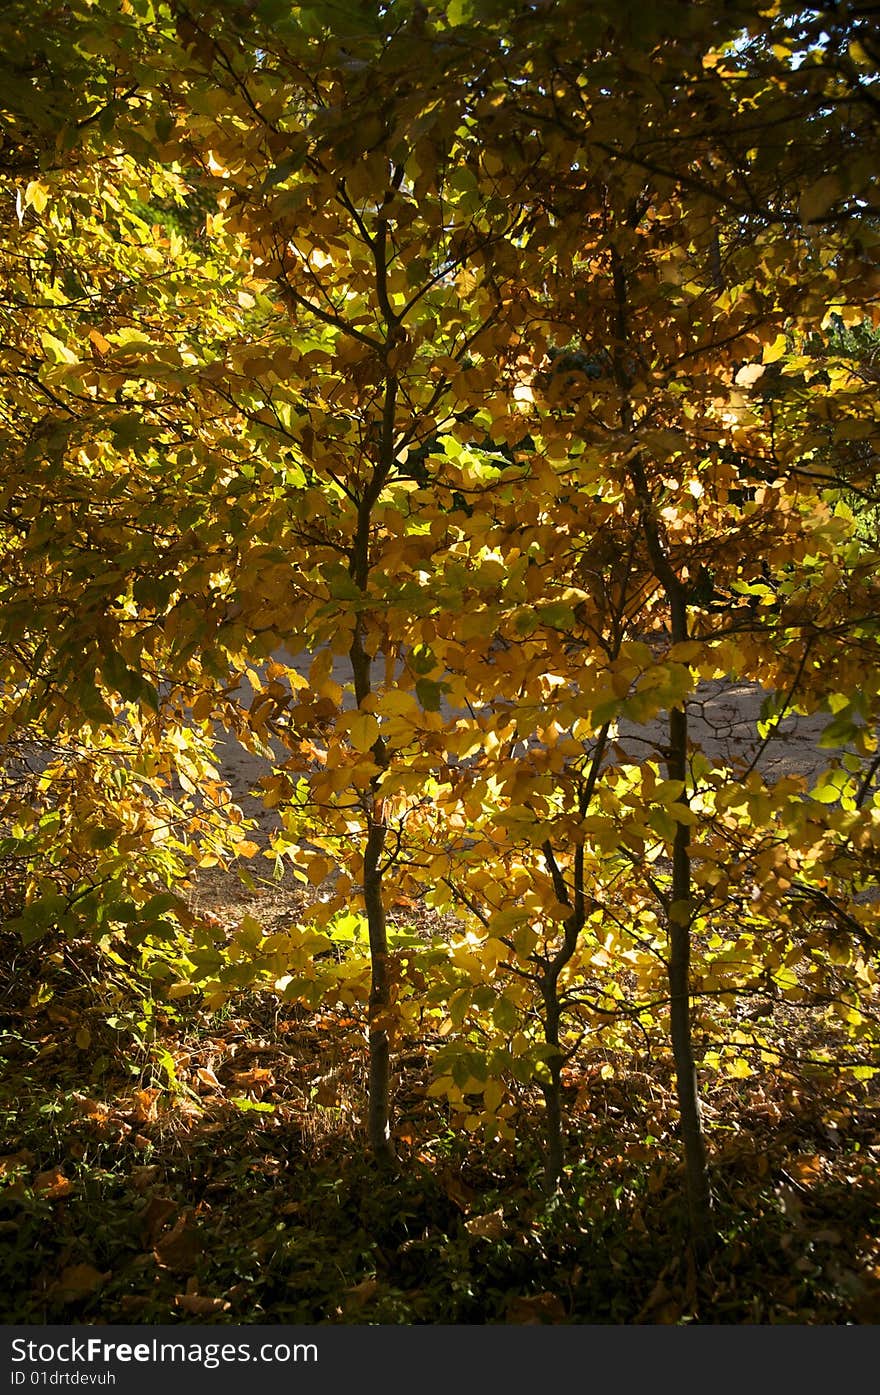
[379, 1042]
[552, 1091]
[379, 1008]
[680, 914]
[379, 1076]
[699, 1197]
[379, 1111]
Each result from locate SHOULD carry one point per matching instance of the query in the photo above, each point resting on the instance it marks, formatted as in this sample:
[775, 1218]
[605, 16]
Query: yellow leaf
[318, 869]
[363, 730]
[443, 1086]
[36, 195]
[493, 1095]
[396, 703]
[684, 652]
[775, 350]
[58, 352]
[739, 1069]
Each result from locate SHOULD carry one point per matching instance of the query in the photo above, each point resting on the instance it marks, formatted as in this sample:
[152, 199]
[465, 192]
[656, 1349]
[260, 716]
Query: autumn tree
[492, 373]
[668, 286]
[109, 788]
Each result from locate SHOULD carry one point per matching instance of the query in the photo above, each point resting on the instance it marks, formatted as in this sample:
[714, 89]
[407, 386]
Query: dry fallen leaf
[662, 1306]
[256, 1081]
[134, 1302]
[155, 1216]
[53, 1184]
[77, 1282]
[326, 1090]
[806, 1169]
[189, 1109]
[145, 1106]
[207, 1077]
[538, 1308]
[359, 1294]
[181, 1249]
[258, 1075]
[489, 1227]
[464, 1196]
[12, 1161]
[199, 1305]
[143, 1177]
[92, 1109]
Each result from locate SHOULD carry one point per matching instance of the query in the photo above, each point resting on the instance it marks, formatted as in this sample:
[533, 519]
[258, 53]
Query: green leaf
[422, 660]
[127, 430]
[430, 694]
[557, 614]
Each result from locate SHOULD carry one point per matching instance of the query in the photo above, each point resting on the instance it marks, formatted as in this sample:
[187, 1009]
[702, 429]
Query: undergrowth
[166, 1165]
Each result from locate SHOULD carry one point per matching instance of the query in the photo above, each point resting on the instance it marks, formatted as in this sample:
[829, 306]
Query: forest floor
[218, 1175]
[162, 1164]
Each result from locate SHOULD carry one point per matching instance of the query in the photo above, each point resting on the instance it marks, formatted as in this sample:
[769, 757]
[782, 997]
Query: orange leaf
[806, 1170]
[93, 1109]
[53, 1184]
[102, 345]
[145, 1106]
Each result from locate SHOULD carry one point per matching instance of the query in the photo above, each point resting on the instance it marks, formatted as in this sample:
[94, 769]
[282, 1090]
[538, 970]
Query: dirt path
[723, 724]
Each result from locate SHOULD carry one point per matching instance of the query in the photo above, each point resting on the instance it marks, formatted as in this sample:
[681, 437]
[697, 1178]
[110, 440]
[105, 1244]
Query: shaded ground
[218, 1177]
